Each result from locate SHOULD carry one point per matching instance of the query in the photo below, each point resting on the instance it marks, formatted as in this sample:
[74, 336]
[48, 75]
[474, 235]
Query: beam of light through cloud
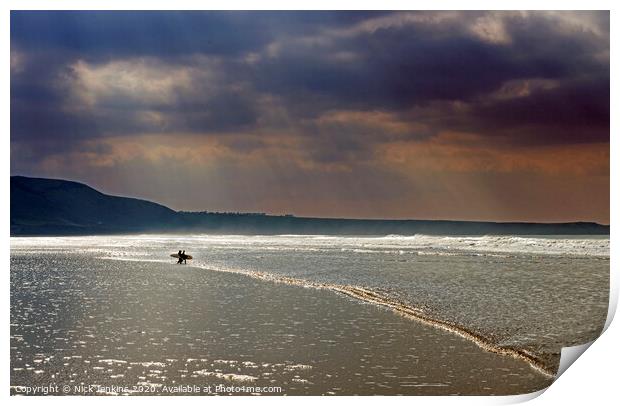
[337, 114]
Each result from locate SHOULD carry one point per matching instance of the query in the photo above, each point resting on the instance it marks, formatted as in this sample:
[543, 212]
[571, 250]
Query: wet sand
[77, 319]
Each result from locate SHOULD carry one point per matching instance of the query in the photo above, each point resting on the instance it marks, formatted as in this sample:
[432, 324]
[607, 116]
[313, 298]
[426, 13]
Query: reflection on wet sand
[79, 319]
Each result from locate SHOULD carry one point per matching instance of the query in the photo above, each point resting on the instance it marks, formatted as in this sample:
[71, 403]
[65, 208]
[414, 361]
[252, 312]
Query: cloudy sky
[429, 115]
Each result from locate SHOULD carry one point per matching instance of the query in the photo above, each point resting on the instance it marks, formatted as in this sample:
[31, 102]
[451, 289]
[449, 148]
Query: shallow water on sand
[141, 327]
[532, 294]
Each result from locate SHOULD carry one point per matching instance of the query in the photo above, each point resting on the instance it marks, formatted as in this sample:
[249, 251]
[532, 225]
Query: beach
[78, 320]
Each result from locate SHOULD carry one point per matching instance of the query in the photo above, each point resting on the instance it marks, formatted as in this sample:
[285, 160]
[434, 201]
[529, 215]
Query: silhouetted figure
[184, 257]
[180, 257]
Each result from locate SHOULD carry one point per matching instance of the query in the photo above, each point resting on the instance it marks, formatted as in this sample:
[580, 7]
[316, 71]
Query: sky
[496, 116]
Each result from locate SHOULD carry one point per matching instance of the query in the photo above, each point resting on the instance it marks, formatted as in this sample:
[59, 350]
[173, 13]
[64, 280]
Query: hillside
[50, 206]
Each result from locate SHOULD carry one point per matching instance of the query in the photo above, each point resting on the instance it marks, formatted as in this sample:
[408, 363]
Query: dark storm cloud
[402, 65]
[577, 111]
[111, 34]
[312, 62]
[223, 112]
[390, 72]
[118, 34]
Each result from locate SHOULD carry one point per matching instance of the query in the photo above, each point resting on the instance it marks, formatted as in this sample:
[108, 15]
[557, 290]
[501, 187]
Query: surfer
[181, 257]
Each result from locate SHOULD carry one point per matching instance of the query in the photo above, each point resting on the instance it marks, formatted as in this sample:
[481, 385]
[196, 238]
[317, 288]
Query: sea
[516, 297]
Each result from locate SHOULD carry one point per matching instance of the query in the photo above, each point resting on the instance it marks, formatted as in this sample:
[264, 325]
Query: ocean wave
[442, 245]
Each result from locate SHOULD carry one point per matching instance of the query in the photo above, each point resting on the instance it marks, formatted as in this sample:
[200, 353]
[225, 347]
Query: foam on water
[558, 245]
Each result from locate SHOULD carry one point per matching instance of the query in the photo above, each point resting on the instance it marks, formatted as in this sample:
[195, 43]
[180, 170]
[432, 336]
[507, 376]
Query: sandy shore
[120, 324]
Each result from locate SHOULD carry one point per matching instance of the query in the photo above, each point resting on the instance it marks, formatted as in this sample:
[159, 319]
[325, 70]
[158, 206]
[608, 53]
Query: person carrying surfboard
[181, 257]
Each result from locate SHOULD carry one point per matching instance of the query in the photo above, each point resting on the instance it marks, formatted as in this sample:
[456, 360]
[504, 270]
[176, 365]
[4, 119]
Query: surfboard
[177, 256]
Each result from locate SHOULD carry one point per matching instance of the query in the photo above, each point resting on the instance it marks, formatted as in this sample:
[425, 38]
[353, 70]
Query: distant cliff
[50, 206]
[59, 207]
